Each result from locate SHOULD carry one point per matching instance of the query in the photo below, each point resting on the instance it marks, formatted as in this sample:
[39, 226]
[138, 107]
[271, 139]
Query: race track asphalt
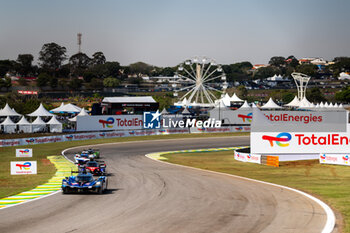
[149, 196]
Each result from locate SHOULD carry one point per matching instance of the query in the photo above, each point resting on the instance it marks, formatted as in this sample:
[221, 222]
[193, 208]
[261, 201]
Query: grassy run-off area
[13, 184]
[330, 183]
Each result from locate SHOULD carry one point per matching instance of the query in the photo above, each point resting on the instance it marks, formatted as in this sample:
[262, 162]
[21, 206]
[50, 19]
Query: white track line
[330, 223]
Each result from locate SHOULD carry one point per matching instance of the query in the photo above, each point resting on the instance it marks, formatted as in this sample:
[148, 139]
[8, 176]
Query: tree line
[57, 70]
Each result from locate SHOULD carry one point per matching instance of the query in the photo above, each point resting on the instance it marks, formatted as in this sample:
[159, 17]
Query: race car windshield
[84, 155]
[92, 164]
[84, 178]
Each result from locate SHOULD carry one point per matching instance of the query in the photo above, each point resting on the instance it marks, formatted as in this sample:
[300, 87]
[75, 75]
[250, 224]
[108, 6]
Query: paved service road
[148, 196]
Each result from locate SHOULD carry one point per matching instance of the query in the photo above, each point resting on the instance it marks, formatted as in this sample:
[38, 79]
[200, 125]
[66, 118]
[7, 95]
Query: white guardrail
[115, 134]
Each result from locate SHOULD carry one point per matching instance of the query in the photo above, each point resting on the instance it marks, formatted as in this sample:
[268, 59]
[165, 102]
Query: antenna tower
[79, 42]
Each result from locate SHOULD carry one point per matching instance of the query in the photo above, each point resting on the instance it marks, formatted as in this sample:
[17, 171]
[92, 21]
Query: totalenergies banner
[109, 122]
[299, 142]
[247, 157]
[339, 159]
[114, 134]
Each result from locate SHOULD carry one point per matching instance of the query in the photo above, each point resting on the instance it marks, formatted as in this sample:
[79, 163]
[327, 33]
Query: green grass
[13, 184]
[330, 183]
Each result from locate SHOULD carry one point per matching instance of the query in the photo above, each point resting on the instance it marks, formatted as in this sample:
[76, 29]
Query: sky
[165, 33]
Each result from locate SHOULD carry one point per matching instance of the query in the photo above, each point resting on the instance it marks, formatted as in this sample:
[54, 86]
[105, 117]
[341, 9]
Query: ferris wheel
[201, 80]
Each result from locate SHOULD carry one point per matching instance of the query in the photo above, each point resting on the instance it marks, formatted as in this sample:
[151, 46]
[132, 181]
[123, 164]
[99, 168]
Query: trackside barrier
[256, 158]
[338, 159]
[247, 157]
[113, 134]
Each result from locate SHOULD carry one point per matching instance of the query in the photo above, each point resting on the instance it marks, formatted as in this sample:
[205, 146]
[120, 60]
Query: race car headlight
[64, 183]
[98, 183]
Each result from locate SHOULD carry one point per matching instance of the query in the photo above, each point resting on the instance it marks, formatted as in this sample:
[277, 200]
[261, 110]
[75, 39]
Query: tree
[98, 58]
[265, 72]
[43, 80]
[79, 63]
[53, 82]
[277, 61]
[6, 66]
[292, 61]
[308, 69]
[111, 82]
[315, 95]
[242, 91]
[75, 84]
[343, 95]
[139, 68]
[287, 97]
[52, 56]
[95, 84]
[341, 64]
[5, 82]
[25, 64]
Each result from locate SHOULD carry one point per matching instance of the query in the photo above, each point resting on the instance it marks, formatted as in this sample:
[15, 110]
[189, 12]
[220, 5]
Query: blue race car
[84, 181]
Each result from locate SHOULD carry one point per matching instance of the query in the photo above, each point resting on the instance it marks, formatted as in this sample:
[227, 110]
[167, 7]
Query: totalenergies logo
[281, 139]
[346, 158]
[30, 141]
[249, 156]
[102, 134]
[247, 117]
[323, 157]
[239, 128]
[25, 166]
[69, 137]
[108, 123]
[26, 151]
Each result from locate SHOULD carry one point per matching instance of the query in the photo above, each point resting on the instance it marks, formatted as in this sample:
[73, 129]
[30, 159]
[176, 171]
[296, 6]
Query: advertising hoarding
[24, 152]
[339, 159]
[109, 122]
[23, 167]
[300, 142]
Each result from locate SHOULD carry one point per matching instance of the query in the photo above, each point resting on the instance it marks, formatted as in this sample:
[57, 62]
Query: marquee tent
[83, 112]
[24, 126]
[294, 103]
[71, 108]
[38, 125]
[185, 111]
[8, 125]
[55, 125]
[235, 98]
[164, 111]
[58, 109]
[40, 111]
[270, 105]
[7, 111]
[245, 106]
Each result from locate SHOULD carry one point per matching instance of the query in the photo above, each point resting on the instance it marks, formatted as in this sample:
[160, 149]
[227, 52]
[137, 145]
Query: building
[128, 105]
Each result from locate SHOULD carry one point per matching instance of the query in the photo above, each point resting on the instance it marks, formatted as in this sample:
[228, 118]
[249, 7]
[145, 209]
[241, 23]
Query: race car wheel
[65, 190]
[100, 190]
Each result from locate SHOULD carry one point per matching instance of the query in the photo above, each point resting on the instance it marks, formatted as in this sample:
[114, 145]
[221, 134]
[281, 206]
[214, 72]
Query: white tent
[245, 106]
[83, 112]
[185, 111]
[226, 100]
[235, 98]
[24, 126]
[58, 109]
[304, 103]
[164, 111]
[294, 103]
[41, 111]
[38, 125]
[8, 125]
[7, 111]
[270, 105]
[55, 125]
[71, 108]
